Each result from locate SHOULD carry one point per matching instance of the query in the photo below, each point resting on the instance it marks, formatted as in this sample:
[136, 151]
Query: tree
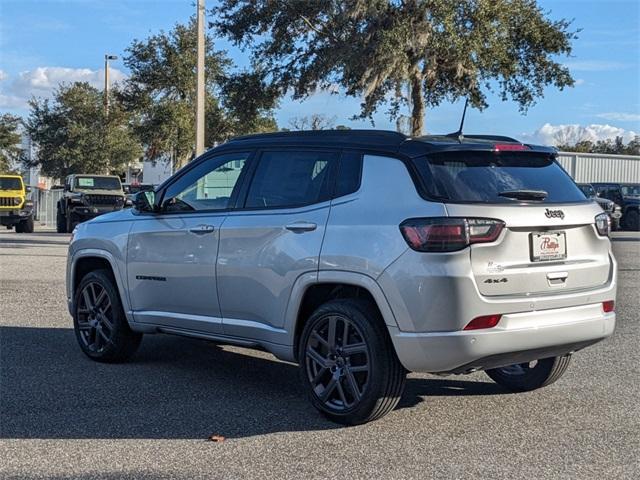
[161, 93]
[74, 135]
[314, 121]
[10, 150]
[608, 146]
[414, 52]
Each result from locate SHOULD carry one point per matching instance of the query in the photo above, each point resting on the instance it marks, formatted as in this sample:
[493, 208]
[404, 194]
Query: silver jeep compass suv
[360, 255]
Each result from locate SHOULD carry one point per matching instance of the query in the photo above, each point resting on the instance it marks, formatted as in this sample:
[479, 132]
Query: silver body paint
[243, 281]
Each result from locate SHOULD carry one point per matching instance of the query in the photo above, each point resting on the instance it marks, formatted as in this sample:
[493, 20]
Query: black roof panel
[379, 140]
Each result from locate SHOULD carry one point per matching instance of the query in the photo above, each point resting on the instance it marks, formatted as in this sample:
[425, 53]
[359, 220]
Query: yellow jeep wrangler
[15, 209]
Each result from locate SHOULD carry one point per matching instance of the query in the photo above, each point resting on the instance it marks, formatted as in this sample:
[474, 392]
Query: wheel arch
[85, 261]
[310, 292]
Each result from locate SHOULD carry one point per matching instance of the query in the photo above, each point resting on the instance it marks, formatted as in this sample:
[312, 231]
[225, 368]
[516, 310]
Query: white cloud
[11, 101]
[620, 116]
[3, 75]
[570, 134]
[42, 81]
[595, 65]
[579, 81]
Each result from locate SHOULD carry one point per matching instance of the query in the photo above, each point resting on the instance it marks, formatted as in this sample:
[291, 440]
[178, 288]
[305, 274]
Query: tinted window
[631, 189]
[348, 180]
[209, 186]
[291, 178]
[496, 177]
[587, 190]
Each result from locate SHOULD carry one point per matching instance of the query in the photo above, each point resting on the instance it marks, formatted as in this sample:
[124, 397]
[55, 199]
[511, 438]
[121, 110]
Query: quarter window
[291, 179]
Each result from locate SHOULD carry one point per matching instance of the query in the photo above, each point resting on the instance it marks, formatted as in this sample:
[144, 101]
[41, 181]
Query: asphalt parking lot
[63, 416]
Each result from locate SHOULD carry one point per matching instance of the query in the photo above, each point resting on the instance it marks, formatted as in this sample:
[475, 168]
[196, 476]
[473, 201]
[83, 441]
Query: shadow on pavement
[173, 388]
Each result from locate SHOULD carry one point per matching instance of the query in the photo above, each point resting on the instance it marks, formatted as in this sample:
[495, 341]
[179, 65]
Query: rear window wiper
[525, 194]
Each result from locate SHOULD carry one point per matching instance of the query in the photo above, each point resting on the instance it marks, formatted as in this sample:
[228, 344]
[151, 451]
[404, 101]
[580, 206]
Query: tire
[357, 395]
[99, 322]
[525, 377]
[25, 226]
[71, 222]
[61, 222]
[632, 220]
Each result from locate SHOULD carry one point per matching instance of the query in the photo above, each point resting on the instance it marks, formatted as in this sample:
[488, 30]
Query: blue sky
[45, 42]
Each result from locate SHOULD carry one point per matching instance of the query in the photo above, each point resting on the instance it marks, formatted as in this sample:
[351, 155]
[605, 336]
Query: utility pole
[200, 80]
[107, 57]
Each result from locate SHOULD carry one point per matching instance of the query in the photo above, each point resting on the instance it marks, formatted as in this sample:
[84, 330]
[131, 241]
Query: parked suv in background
[360, 255]
[86, 197]
[16, 210]
[614, 211]
[626, 195]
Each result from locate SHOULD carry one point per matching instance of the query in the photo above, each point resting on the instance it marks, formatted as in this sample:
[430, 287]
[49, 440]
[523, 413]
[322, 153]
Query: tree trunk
[417, 102]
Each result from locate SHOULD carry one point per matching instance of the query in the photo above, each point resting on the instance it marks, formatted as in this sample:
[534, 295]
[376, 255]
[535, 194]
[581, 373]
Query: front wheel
[632, 220]
[61, 222]
[99, 322]
[25, 226]
[523, 377]
[348, 365]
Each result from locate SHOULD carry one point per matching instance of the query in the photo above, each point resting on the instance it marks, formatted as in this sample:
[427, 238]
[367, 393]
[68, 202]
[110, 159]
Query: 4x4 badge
[554, 214]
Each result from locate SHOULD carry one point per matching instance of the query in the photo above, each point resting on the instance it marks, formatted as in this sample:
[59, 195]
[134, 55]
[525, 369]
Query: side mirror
[144, 201]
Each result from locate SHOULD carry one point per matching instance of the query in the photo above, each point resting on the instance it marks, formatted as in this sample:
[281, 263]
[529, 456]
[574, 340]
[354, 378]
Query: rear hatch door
[549, 244]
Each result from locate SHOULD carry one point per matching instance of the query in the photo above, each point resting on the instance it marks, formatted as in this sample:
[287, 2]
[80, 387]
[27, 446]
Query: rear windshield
[496, 177]
[9, 183]
[98, 183]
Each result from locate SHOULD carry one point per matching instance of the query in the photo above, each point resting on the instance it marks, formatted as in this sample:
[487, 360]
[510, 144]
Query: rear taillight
[608, 306]
[448, 234]
[603, 224]
[486, 321]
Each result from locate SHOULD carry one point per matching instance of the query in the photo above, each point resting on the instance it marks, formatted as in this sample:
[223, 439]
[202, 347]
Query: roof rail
[389, 134]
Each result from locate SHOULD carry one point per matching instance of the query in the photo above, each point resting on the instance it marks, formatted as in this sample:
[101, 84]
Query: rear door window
[292, 178]
[496, 177]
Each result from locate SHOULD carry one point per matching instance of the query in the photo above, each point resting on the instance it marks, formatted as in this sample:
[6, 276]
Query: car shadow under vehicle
[173, 388]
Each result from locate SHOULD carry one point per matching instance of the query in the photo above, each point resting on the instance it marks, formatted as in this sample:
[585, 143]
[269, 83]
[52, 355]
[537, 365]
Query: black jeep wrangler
[627, 195]
[86, 197]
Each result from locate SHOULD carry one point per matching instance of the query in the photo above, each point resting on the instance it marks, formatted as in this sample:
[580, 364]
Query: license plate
[546, 246]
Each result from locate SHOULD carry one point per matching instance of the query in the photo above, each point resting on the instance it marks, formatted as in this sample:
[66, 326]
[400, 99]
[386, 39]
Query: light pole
[107, 57]
[200, 80]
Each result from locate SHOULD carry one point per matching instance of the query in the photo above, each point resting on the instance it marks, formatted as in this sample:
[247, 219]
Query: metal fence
[595, 167]
[45, 202]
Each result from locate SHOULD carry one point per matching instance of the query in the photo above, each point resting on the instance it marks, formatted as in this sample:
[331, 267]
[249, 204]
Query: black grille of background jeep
[9, 201]
[103, 199]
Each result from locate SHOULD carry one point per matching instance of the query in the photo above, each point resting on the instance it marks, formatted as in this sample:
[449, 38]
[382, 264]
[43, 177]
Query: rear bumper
[518, 337]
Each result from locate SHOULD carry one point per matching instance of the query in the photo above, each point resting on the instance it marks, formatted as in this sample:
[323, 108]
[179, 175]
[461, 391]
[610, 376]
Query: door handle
[299, 227]
[557, 278]
[202, 229]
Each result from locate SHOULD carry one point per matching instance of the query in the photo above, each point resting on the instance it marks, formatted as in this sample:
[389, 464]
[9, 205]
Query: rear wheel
[348, 365]
[99, 322]
[523, 377]
[632, 220]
